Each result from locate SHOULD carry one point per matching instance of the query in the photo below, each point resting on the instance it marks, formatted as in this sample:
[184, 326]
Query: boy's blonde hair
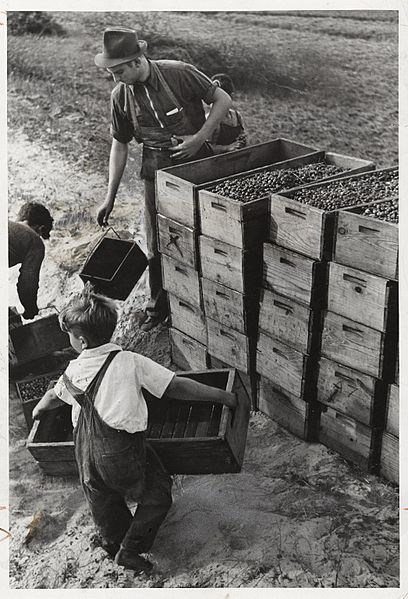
[89, 314]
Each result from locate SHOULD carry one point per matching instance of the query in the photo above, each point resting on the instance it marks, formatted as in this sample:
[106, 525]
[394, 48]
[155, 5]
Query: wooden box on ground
[182, 280]
[245, 223]
[390, 457]
[392, 418]
[308, 229]
[190, 438]
[289, 369]
[362, 297]
[356, 442]
[289, 321]
[188, 319]
[289, 411]
[177, 186]
[367, 243]
[231, 266]
[186, 352]
[234, 348]
[178, 241]
[230, 308]
[359, 346]
[40, 338]
[248, 379]
[357, 395]
[292, 275]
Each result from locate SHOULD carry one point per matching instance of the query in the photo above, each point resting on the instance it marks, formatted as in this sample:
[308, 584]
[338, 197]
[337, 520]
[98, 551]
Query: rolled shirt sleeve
[152, 376]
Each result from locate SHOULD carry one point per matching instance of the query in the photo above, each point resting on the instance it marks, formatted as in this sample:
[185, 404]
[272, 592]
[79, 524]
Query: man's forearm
[219, 108]
[117, 162]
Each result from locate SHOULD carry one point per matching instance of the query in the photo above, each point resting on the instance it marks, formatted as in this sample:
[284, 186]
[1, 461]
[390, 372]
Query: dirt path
[296, 516]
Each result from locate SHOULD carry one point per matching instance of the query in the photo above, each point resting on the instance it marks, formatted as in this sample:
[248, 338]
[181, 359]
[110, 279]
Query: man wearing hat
[158, 103]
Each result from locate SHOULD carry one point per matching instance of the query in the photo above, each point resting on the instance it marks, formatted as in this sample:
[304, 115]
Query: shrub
[41, 23]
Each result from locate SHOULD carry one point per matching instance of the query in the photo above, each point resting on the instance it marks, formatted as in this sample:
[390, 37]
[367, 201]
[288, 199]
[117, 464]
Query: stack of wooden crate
[360, 342]
[390, 440]
[293, 299]
[179, 229]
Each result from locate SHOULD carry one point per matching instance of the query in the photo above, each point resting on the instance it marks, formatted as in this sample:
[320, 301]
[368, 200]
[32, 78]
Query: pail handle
[47, 307]
[102, 236]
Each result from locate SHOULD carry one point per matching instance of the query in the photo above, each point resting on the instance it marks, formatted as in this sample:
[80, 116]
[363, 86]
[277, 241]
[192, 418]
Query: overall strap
[132, 108]
[92, 388]
[164, 84]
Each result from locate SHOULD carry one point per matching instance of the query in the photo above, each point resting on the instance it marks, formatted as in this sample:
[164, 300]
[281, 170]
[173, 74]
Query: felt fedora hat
[119, 45]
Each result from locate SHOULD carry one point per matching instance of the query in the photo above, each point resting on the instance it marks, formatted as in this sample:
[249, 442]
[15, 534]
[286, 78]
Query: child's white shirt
[119, 400]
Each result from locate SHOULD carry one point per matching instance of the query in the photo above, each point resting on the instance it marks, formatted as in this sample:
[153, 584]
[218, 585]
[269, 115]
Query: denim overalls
[113, 464]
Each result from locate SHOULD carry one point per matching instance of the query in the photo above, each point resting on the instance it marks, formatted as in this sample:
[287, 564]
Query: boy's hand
[37, 413]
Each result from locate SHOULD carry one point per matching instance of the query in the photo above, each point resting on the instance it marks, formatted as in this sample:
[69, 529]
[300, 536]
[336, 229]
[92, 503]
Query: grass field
[329, 78]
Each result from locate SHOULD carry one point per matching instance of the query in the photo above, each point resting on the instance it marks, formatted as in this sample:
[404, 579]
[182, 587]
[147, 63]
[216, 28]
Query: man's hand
[37, 413]
[103, 213]
[188, 147]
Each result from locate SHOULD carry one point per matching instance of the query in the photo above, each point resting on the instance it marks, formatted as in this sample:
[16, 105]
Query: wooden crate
[181, 280]
[362, 297]
[247, 379]
[366, 243]
[356, 442]
[31, 389]
[178, 241]
[289, 411]
[291, 370]
[231, 308]
[390, 458]
[358, 346]
[177, 186]
[38, 339]
[245, 224]
[231, 266]
[308, 230]
[190, 438]
[232, 347]
[186, 352]
[188, 319]
[392, 418]
[357, 395]
[293, 275]
[289, 321]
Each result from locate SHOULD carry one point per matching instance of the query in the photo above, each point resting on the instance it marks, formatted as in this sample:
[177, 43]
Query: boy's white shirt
[119, 400]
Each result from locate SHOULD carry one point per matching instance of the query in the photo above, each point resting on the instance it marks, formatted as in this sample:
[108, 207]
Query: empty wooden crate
[190, 437]
[38, 339]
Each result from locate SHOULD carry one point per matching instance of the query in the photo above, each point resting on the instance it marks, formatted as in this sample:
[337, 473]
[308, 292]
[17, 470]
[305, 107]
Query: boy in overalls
[105, 387]
[160, 104]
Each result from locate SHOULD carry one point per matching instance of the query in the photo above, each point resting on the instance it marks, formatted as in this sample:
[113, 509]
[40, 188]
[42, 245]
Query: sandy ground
[296, 516]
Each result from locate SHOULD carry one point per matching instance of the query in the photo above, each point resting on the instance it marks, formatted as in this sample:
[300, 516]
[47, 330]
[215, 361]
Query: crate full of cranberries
[31, 389]
[304, 219]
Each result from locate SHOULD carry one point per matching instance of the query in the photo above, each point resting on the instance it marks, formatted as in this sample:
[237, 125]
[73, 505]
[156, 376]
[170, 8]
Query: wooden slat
[188, 319]
[362, 297]
[177, 241]
[354, 344]
[229, 307]
[392, 422]
[346, 390]
[231, 266]
[390, 457]
[186, 352]
[292, 275]
[181, 280]
[231, 346]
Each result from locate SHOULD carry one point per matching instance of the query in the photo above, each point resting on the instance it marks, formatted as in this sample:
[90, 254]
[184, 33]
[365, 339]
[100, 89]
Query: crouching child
[104, 385]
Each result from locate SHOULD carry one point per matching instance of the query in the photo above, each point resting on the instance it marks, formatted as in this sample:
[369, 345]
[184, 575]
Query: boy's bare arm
[49, 401]
[189, 390]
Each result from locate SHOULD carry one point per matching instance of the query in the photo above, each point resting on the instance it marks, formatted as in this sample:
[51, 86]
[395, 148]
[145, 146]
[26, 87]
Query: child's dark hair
[36, 214]
[89, 314]
[224, 81]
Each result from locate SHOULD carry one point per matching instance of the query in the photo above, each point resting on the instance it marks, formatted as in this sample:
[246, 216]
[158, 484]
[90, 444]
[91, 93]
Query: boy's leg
[152, 509]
